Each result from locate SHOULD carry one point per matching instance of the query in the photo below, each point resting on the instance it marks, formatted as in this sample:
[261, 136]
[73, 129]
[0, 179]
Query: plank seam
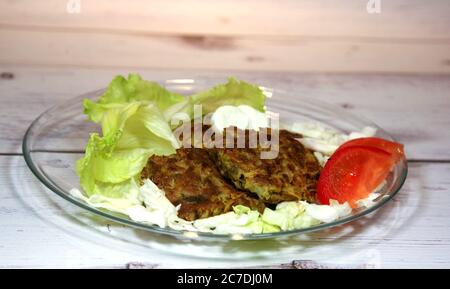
[319, 38]
[16, 64]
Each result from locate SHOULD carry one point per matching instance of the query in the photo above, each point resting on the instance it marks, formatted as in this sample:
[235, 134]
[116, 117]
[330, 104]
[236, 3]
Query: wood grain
[39, 229]
[312, 36]
[404, 19]
[104, 49]
[392, 67]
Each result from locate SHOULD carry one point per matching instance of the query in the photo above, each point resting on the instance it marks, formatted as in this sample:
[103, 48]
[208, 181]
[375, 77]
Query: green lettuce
[289, 216]
[122, 90]
[234, 92]
[109, 172]
[133, 128]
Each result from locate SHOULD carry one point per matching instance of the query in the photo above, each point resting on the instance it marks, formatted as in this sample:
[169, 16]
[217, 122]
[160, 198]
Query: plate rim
[195, 235]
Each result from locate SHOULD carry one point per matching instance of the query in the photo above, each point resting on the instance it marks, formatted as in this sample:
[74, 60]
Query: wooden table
[396, 78]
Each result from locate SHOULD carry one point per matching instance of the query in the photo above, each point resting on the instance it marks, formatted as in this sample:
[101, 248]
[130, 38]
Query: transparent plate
[56, 139]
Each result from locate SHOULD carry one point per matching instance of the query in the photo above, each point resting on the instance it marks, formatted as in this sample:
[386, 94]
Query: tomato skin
[396, 149]
[352, 173]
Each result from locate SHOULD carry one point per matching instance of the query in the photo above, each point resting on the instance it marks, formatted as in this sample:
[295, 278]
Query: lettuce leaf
[137, 89]
[133, 128]
[110, 173]
[131, 134]
[234, 92]
[289, 216]
[147, 128]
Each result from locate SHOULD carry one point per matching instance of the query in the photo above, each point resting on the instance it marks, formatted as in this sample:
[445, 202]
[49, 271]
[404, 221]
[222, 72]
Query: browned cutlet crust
[190, 178]
[291, 176]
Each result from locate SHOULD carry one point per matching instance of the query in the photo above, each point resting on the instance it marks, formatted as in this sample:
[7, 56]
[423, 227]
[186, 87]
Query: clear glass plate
[56, 139]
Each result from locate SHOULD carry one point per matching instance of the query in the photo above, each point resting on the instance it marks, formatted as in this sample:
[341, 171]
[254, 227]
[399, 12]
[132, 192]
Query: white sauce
[242, 117]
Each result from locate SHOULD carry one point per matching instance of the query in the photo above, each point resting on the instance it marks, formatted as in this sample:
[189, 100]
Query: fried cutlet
[191, 178]
[291, 176]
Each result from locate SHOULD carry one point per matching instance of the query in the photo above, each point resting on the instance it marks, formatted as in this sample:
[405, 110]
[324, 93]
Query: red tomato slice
[396, 149]
[352, 173]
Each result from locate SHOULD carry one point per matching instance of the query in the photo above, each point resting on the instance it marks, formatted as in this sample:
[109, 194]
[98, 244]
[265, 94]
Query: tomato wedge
[352, 173]
[396, 149]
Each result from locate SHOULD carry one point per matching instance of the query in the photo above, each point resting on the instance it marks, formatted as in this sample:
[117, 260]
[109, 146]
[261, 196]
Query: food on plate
[139, 165]
[191, 179]
[395, 149]
[291, 176]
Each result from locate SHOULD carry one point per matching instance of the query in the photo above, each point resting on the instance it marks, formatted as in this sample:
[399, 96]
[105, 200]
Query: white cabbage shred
[324, 140]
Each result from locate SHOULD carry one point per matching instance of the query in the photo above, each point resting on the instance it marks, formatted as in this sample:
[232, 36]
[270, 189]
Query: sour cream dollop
[242, 117]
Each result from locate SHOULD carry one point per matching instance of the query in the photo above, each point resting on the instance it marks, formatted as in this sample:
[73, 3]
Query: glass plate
[56, 139]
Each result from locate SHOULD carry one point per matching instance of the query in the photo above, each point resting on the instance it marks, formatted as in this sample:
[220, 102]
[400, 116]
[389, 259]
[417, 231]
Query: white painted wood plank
[414, 109]
[100, 49]
[414, 19]
[36, 231]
